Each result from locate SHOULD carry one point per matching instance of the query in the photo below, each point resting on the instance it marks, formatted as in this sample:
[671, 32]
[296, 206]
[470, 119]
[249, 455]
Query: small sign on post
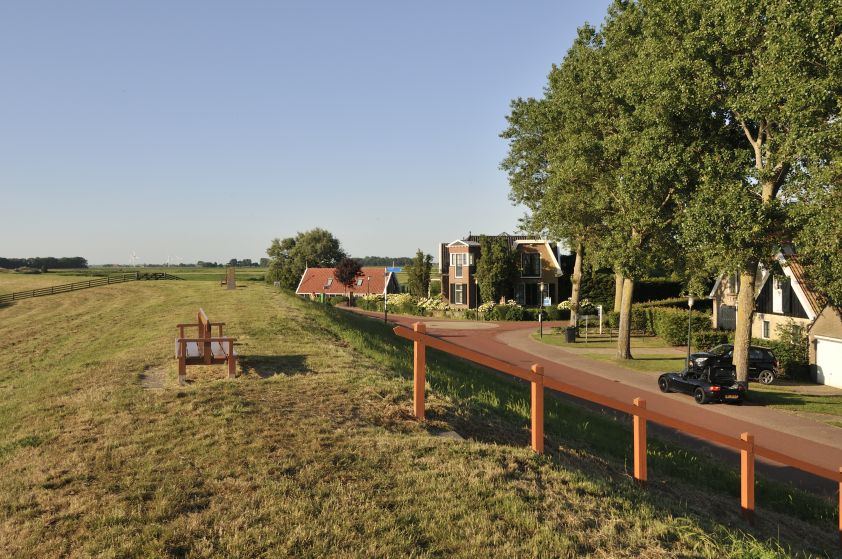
[548, 302]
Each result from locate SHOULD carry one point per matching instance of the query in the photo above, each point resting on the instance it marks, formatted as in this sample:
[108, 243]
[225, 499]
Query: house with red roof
[316, 282]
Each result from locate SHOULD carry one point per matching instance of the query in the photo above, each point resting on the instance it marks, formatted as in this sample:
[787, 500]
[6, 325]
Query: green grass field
[312, 451]
[184, 272]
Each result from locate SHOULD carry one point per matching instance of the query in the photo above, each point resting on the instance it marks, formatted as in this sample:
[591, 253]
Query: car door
[683, 383]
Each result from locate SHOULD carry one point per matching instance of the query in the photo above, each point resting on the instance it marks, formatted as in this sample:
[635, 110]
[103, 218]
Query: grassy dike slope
[311, 452]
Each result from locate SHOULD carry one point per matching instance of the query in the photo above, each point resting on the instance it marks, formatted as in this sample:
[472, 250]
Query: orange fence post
[419, 376]
[747, 477]
[538, 409]
[640, 443]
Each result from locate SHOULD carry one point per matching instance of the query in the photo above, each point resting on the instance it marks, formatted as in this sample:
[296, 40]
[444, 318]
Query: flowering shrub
[509, 310]
[486, 307]
[433, 304]
[585, 306]
[400, 299]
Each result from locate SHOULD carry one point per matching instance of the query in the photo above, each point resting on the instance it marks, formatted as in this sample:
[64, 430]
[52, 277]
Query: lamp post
[690, 301]
[541, 314]
[368, 289]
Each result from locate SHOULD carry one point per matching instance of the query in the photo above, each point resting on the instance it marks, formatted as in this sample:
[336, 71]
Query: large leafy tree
[496, 268]
[418, 272]
[289, 257]
[554, 154]
[819, 240]
[654, 131]
[770, 72]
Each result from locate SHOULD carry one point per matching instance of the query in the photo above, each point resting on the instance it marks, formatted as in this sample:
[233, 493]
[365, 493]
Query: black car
[720, 387]
[762, 365]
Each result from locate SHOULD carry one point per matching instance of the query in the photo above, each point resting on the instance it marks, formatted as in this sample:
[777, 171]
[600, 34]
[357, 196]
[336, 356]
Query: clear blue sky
[205, 129]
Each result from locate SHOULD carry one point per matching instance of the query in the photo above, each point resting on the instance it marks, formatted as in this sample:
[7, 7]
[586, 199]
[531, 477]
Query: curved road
[811, 441]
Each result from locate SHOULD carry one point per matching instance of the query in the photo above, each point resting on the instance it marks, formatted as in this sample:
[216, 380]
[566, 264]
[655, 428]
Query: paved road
[812, 441]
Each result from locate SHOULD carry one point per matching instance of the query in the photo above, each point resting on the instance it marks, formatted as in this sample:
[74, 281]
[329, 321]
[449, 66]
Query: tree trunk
[745, 314]
[624, 334]
[576, 280]
[618, 291]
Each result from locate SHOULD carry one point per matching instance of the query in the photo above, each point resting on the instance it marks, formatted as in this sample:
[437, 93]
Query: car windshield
[721, 349]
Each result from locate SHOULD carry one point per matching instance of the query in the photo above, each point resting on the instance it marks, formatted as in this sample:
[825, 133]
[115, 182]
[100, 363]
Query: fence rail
[67, 287]
[637, 409]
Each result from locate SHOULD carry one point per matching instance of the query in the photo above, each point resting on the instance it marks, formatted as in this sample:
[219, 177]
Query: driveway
[811, 441]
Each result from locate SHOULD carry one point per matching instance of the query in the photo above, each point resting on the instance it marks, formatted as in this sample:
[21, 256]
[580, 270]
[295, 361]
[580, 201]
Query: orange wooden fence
[637, 409]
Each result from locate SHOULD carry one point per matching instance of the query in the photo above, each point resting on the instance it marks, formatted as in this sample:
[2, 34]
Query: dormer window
[531, 265]
[328, 283]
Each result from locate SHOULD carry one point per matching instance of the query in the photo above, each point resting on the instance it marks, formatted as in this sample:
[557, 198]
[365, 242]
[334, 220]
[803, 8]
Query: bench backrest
[204, 324]
[205, 332]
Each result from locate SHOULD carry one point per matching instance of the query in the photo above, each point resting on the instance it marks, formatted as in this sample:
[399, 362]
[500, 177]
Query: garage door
[829, 361]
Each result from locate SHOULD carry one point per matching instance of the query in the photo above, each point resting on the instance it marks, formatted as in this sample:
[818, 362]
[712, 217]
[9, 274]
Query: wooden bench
[204, 349]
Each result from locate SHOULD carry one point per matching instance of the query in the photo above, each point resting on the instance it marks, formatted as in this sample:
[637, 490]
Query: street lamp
[690, 301]
[368, 289]
[541, 314]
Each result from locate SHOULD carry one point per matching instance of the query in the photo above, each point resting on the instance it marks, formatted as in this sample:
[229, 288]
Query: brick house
[537, 259]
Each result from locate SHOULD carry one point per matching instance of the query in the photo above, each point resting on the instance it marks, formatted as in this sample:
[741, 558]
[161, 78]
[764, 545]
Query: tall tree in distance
[289, 257]
[496, 268]
[346, 273]
[418, 272]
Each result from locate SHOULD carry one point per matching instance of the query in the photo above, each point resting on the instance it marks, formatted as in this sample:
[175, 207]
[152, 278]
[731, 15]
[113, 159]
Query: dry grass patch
[310, 452]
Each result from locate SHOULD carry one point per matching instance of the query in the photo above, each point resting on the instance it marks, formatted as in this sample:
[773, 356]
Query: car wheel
[700, 396]
[663, 384]
[766, 377]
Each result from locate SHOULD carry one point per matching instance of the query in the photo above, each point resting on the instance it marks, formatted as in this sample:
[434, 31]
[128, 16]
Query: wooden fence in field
[637, 409]
[76, 286]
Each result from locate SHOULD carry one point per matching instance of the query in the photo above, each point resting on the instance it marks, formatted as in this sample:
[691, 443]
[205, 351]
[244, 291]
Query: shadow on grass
[266, 366]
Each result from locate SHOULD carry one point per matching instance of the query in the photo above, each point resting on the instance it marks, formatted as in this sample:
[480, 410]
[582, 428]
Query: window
[734, 284]
[359, 282]
[531, 265]
[328, 283]
[531, 298]
[765, 333]
[458, 261]
[459, 294]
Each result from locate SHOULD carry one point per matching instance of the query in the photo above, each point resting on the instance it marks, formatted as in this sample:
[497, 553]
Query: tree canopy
[701, 136]
[496, 268]
[418, 274]
[289, 257]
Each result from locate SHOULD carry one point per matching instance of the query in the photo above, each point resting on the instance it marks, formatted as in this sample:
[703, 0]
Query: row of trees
[701, 136]
[44, 263]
